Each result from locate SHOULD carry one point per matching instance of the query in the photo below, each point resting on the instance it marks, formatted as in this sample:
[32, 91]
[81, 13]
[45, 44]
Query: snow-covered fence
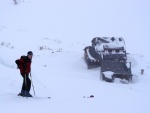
[18, 1]
[60, 50]
[41, 48]
[8, 45]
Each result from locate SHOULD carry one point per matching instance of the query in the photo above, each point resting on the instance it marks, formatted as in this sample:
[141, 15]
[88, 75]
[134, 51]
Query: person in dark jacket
[24, 64]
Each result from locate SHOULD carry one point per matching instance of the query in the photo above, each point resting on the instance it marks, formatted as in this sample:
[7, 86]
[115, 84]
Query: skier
[24, 64]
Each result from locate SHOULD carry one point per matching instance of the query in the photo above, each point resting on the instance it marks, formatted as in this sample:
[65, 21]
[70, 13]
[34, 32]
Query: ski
[36, 97]
[23, 96]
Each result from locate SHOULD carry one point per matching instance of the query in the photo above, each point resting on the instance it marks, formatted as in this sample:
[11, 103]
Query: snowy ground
[58, 70]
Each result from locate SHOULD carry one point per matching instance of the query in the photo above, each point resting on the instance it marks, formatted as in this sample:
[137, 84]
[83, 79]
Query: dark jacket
[24, 64]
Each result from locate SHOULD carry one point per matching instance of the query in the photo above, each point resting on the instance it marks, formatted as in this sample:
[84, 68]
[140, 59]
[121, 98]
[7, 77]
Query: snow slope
[61, 29]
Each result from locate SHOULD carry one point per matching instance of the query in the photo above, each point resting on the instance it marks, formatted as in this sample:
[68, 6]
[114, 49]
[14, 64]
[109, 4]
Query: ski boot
[24, 94]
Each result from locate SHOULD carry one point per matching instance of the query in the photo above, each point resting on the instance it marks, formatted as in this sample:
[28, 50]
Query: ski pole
[41, 84]
[32, 83]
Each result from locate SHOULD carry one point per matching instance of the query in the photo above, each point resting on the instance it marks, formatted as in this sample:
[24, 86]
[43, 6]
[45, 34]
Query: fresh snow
[57, 32]
[108, 74]
[112, 44]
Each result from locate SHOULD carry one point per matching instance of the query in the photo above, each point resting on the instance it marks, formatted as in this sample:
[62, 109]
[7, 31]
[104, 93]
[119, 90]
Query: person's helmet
[30, 53]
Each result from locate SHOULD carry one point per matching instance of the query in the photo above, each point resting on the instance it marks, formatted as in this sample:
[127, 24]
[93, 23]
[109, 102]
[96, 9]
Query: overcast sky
[81, 20]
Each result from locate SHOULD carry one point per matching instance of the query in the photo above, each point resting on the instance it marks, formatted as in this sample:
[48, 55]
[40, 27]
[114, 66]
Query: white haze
[64, 28]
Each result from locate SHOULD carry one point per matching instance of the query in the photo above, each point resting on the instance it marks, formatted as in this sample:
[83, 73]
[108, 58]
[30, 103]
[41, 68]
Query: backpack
[18, 62]
[24, 58]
